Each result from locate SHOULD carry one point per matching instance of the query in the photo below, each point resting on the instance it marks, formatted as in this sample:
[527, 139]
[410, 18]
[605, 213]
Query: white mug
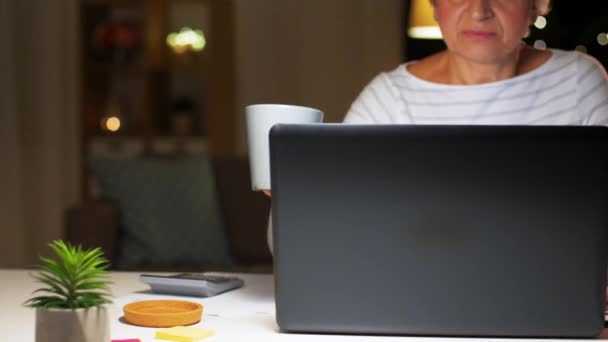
[259, 119]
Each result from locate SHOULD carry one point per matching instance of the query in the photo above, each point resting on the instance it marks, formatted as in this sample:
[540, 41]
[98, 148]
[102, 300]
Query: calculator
[191, 284]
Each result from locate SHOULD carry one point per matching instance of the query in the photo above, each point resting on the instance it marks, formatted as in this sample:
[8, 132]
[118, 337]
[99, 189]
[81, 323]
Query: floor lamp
[422, 24]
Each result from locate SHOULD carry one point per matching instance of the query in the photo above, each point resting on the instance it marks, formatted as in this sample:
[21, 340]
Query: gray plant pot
[78, 325]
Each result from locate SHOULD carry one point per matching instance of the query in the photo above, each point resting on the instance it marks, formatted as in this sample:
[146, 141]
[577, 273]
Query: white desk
[246, 314]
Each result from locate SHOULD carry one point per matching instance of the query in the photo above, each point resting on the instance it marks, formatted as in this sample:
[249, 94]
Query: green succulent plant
[76, 278]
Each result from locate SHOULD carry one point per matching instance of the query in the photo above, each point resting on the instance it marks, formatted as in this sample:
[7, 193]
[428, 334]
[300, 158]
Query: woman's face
[484, 31]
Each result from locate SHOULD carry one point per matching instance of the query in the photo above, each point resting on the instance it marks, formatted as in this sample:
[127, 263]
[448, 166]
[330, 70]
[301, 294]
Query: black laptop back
[440, 230]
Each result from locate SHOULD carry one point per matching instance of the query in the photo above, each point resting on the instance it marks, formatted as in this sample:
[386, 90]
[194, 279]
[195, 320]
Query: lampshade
[422, 24]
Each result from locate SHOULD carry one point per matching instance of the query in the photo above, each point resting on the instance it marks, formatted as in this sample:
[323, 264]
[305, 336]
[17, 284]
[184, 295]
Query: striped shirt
[571, 88]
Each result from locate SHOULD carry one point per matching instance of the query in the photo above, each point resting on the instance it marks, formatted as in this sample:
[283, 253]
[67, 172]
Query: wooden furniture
[130, 73]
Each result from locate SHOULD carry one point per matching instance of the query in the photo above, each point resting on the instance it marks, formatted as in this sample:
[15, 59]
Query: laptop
[440, 230]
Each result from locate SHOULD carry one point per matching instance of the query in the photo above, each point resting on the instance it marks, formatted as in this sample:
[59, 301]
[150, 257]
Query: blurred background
[122, 120]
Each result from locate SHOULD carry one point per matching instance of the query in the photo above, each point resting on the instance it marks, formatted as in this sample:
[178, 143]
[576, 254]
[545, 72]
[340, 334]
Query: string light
[602, 39]
[540, 45]
[541, 22]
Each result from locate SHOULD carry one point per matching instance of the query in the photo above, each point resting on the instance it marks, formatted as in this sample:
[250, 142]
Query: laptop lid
[440, 230]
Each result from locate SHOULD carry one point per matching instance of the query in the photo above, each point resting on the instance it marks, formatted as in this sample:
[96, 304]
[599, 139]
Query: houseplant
[71, 304]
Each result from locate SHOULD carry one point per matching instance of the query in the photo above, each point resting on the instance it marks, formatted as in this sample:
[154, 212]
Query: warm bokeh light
[540, 45]
[541, 22]
[602, 39]
[187, 39]
[111, 123]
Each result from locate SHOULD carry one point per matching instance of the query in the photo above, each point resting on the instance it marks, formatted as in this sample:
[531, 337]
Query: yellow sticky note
[183, 334]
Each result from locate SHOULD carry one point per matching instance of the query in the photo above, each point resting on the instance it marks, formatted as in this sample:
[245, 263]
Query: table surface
[246, 314]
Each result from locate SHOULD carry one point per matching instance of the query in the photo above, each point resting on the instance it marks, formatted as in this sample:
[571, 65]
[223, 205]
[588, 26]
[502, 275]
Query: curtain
[39, 125]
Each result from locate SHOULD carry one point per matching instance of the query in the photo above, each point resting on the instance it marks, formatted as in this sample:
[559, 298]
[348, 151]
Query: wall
[317, 53]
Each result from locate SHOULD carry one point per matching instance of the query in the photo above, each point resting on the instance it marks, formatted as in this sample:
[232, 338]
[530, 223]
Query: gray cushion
[169, 211]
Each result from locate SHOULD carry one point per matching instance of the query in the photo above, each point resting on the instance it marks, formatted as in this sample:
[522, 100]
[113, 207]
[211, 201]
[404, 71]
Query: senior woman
[487, 75]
